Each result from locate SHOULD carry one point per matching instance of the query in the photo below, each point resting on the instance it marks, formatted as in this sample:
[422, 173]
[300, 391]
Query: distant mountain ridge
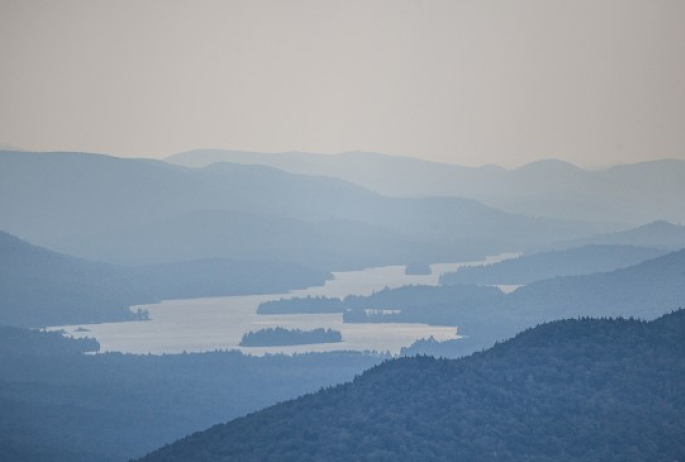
[569, 390]
[645, 290]
[80, 203]
[339, 244]
[659, 234]
[630, 193]
[590, 258]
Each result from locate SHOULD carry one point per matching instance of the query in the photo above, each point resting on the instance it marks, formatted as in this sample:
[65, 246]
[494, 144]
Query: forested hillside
[587, 389]
[60, 405]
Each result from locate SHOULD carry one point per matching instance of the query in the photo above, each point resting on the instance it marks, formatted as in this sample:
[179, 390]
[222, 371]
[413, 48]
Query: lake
[208, 324]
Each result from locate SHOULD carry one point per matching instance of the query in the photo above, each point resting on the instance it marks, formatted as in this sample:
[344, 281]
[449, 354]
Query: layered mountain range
[630, 193]
[140, 211]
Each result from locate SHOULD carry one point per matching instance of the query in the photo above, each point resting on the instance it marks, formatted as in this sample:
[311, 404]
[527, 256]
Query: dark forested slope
[39, 287]
[59, 405]
[585, 389]
[451, 305]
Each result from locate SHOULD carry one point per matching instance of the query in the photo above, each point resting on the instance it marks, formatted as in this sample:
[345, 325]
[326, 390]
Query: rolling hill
[39, 287]
[546, 265]
[569, 390]
[646, 290]
[658, 234]
[339, 244]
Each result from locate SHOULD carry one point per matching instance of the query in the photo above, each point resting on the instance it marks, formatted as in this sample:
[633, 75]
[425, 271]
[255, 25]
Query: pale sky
[594, 82]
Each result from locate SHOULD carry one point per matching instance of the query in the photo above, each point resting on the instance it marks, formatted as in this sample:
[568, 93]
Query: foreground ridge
[583, 389]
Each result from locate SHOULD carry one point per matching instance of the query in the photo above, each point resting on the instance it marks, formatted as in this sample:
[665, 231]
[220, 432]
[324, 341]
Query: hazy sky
[470, 82]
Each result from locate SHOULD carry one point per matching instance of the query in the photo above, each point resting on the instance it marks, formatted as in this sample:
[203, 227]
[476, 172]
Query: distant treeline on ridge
[297, 305]
[279, 337]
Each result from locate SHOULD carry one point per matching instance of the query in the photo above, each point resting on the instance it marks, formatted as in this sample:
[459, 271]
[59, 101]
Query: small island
[283, 337]
[418, 269]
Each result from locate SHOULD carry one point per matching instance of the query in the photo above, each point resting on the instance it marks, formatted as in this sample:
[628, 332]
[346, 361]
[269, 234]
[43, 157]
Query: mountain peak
[551, 164]
[661, 225]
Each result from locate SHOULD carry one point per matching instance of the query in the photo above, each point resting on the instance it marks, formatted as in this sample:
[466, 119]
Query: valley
[218, 323]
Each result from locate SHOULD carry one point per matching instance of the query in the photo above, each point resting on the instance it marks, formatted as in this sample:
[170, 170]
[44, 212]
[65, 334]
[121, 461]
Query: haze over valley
[385, 230]
[140, 256]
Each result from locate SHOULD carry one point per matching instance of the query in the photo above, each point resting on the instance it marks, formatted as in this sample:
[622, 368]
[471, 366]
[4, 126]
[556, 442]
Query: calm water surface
[207, 324]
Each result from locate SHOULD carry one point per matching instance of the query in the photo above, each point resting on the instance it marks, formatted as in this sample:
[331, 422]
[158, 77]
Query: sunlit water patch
[208, 324]
[508, 288]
